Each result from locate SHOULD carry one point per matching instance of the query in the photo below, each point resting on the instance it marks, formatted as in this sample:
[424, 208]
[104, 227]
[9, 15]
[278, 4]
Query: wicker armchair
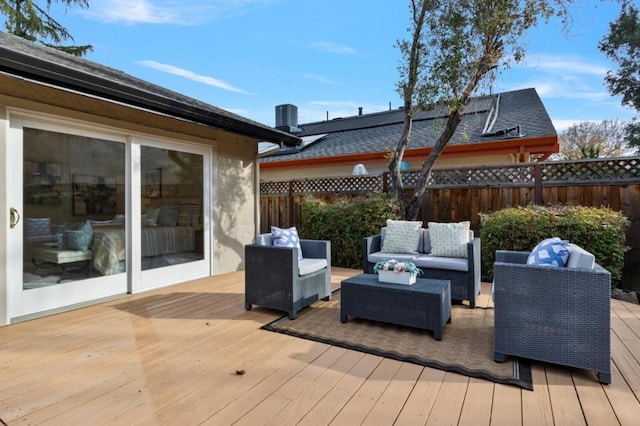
[551, 314]
[276, 279]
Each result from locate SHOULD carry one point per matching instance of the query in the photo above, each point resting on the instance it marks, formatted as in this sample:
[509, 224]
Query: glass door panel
[73, 194]
[172, 205]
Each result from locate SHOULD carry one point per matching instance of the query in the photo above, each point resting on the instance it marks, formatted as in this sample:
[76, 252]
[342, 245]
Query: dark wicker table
[425, 304]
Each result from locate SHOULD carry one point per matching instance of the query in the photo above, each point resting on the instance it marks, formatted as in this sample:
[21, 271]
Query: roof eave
[36, 69]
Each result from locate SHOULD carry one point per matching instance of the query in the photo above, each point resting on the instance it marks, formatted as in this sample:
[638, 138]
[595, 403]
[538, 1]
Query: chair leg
[498, 357]
[293, 315]
[604, 378]
[247, 306]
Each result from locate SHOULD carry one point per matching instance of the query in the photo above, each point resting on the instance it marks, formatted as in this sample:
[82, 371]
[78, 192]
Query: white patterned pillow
[402, 236]
[286, 238]
[449, 239]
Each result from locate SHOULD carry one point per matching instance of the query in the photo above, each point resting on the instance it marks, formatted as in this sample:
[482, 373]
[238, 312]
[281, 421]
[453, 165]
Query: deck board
[170, 356]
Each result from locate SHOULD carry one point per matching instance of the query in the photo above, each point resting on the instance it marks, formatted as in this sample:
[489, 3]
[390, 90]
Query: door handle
[14, 217]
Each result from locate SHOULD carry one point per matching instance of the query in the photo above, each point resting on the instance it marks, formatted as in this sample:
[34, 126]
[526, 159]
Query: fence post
[290, 203]
[537, 181]
[385, 186]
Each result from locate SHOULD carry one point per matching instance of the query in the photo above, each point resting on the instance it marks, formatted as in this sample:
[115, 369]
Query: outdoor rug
[466, 346]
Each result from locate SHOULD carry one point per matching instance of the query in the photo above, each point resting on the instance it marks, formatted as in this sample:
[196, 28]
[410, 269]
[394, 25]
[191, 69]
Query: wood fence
[464, 193]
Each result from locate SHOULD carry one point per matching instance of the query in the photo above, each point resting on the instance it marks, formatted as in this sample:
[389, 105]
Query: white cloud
[185, 12]
[326, 46]
[558, 88]
[563, 124]
[563, 65]
[210, 81]
[318, 78]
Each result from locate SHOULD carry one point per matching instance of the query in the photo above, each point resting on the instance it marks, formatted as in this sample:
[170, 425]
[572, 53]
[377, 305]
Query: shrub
[346, 222]
[598, 230]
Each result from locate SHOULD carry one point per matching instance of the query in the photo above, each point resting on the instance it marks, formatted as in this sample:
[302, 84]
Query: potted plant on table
[394, 271]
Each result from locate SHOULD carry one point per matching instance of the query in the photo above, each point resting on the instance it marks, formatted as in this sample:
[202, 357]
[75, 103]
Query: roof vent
[505, 133]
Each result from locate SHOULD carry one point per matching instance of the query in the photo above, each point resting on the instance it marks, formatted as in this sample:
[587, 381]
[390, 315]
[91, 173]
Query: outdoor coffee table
[425, 304]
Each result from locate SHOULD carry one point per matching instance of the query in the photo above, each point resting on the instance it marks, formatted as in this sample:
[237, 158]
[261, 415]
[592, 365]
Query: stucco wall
[234, 202]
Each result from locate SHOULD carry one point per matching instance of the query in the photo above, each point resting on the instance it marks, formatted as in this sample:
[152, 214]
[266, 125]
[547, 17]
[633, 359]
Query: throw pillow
[449, 239]
[168, 216]
[79, 239]
[37, 226]
[286, 238]
[153, 214]
[402, 236]
[184, 215]
[580, 258]
[550, 252]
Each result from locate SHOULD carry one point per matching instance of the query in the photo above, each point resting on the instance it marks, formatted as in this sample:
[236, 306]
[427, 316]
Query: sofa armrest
[505, 256]
[265, 258]
[370, 245]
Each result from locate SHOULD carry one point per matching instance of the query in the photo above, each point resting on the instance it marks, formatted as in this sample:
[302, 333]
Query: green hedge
[601, 231]
[346, 222]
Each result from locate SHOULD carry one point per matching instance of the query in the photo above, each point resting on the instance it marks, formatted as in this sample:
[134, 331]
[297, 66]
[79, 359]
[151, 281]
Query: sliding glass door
[101, 213]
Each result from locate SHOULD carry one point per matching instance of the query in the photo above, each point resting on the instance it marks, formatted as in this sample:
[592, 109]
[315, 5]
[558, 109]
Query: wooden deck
[169, 357]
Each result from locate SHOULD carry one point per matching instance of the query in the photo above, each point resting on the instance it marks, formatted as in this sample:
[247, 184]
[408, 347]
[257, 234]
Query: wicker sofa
[559, 315]
[275, 278]
[463, 273]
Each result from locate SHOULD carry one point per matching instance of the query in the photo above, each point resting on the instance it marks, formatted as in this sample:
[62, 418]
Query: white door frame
[20, 302]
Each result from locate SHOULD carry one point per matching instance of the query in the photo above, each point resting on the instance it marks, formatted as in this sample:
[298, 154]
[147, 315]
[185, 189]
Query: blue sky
[328, 57]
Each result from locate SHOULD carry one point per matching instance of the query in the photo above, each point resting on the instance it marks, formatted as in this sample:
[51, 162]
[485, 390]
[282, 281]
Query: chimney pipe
[359, 111]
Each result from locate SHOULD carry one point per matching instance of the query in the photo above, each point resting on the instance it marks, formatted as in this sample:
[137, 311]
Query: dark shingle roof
[22, 58]
[380, 132]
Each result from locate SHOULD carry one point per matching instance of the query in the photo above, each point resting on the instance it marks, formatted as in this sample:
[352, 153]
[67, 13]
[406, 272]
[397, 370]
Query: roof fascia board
[35, 69]
[542, 145]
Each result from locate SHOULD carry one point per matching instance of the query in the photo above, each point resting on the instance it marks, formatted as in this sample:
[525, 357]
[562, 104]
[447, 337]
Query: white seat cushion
[310, 265]
[60, 255]
[400, 257]
[440, 262]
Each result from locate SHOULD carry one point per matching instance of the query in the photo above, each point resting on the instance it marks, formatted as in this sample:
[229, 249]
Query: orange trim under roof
[545, 145]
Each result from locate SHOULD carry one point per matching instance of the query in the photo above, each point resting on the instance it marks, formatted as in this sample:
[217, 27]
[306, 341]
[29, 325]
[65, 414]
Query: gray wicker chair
[272, 275]
[550, 314]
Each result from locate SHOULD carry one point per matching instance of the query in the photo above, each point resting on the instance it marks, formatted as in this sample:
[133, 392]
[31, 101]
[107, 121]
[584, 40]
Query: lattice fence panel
[588, 171]
[473, 177]
[345, 185]
[268, 188]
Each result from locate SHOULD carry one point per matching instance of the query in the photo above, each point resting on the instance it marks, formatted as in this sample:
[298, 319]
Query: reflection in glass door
[74, 202]
[172, 206]
[72, 198]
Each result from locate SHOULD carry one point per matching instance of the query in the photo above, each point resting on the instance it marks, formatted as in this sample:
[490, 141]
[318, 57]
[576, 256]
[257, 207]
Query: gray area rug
[466, 346]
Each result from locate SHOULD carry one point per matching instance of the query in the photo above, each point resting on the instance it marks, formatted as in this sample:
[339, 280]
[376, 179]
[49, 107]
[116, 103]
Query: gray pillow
[168, 216]
[79, 239]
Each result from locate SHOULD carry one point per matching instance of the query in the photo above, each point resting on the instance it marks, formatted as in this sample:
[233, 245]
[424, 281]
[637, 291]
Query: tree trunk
[413, 206]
